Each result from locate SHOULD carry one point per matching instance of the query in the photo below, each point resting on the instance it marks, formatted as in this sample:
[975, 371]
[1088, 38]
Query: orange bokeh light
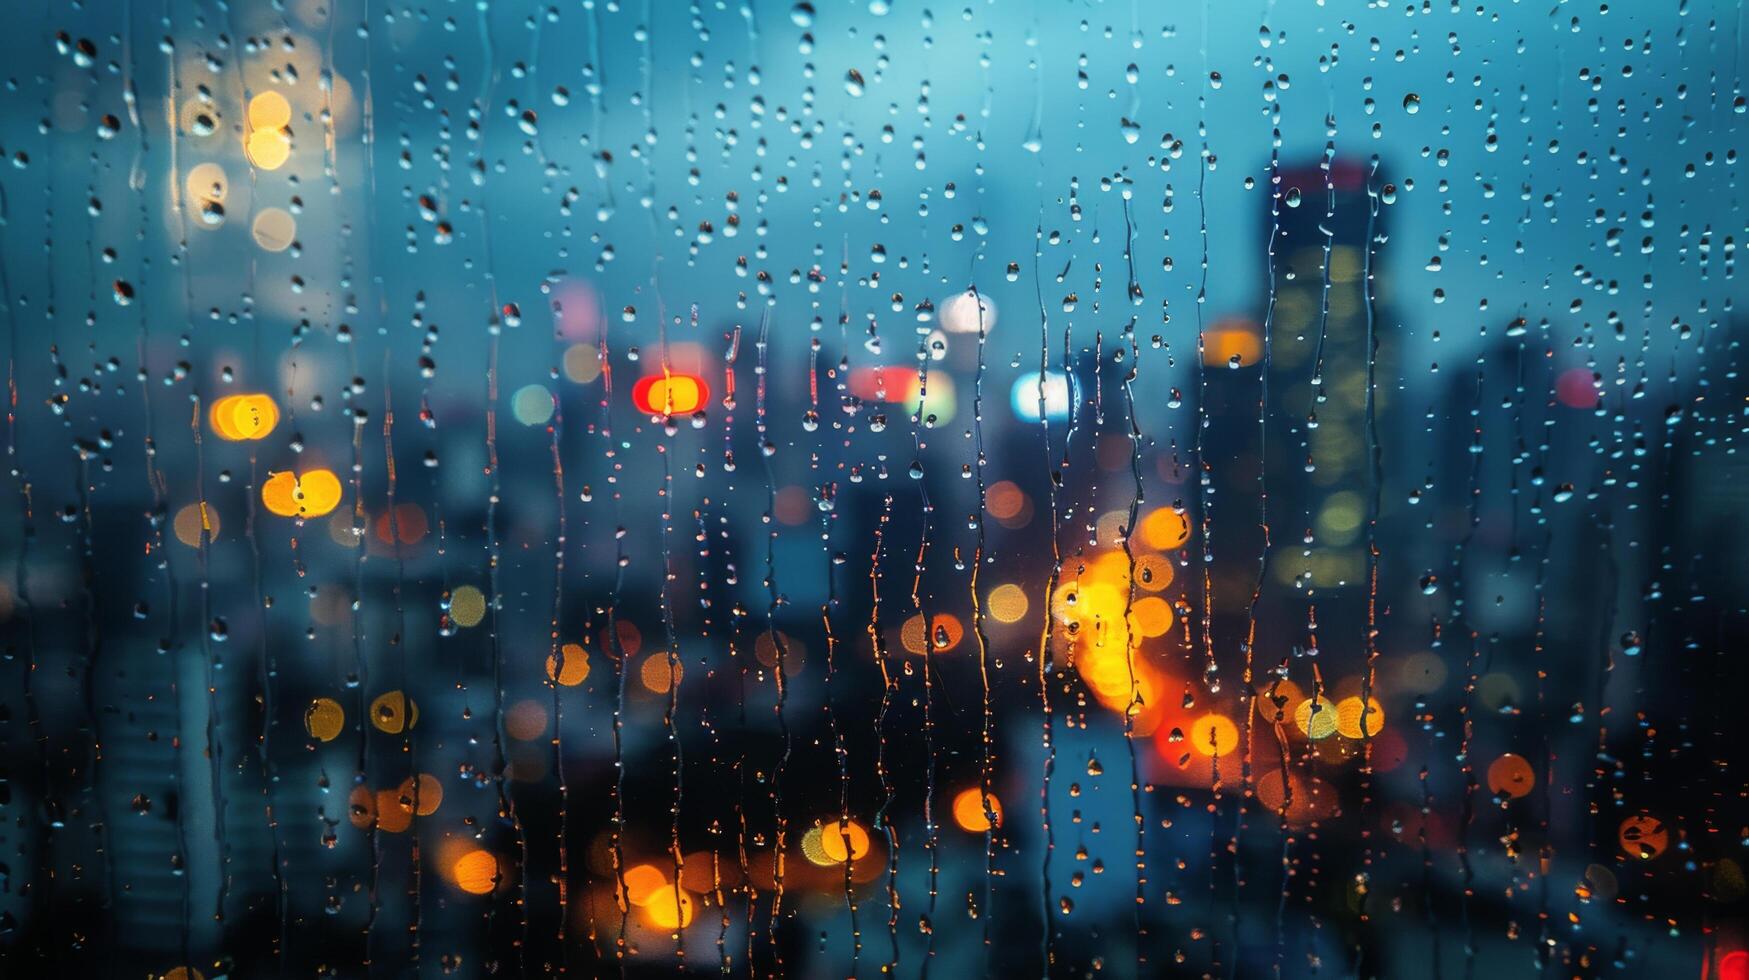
[475, 872]
[658, 674]
[1231, 343]
[429, 793]
[575, 665]
[312, 494]
[968, 810]
[1165, 528]
[832, 841]
[1511, 775]
[1643, 836]
[672, 907]
[642, 882]
[240, 418]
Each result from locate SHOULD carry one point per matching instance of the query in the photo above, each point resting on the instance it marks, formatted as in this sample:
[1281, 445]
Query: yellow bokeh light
[1340, 516]
[1316, 717]
[676, 394]
[1348, 717]
[318, 492]
[1346, 263]
[1214, 735]
[192, 520]
[968, 810]
[269, 110]
[393, 712]
[1109, 669]
[575, 665]
[940, 402]
[324, 719]
[236, 418]
[467, 606]
[812, 850]
[268, 149]
[1090, 600]
[252, 416]
[1008, 603]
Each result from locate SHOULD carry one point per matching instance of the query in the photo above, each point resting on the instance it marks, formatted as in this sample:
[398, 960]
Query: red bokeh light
[1576, 388]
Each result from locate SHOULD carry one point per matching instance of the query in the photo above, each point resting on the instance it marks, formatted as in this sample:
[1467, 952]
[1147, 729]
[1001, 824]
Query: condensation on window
[620, 487]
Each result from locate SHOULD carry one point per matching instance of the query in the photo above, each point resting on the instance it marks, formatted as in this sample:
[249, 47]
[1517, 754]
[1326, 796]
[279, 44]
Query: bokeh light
[972, 810]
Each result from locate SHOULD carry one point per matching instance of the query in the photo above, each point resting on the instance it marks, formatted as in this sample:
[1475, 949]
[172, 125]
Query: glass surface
[864, 488]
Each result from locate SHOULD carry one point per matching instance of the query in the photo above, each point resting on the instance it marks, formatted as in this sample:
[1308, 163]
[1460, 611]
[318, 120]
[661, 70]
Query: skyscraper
[1287, 442]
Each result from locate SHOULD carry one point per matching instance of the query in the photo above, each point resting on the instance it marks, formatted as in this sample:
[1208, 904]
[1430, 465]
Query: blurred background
[850, 488]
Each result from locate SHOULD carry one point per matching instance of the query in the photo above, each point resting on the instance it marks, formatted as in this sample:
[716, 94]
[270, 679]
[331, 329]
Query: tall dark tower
[1320, 468]
[1306, 431]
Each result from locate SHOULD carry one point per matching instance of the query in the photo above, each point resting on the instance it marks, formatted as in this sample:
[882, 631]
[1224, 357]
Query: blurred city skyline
[852, 488]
